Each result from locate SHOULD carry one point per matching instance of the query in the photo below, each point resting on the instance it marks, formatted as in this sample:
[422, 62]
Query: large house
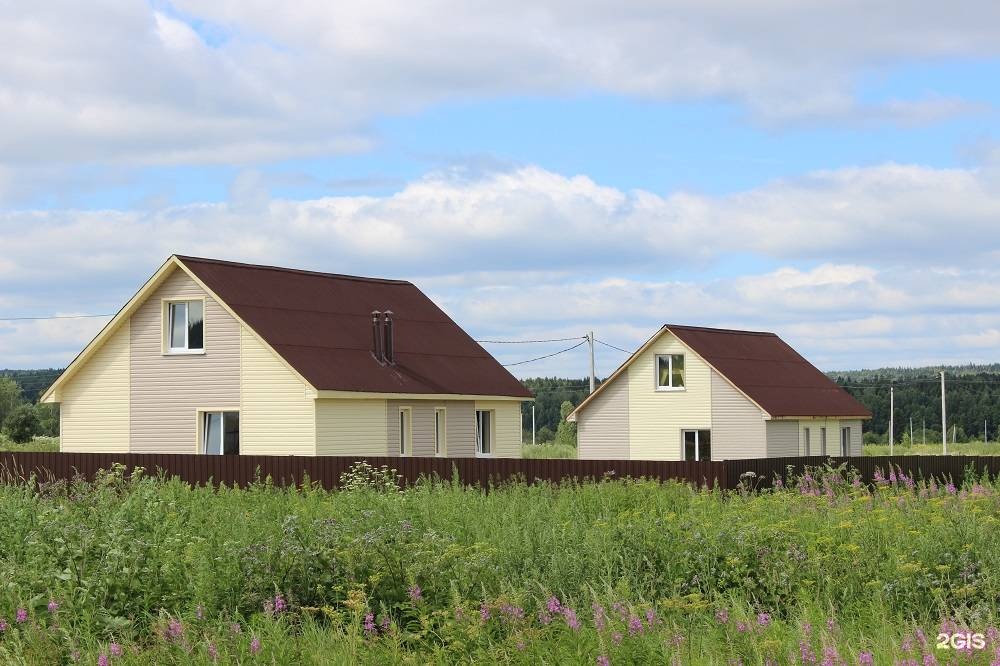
[693, 393]
[216, 357]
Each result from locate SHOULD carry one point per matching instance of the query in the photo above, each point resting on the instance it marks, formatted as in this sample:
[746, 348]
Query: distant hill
[917, 373]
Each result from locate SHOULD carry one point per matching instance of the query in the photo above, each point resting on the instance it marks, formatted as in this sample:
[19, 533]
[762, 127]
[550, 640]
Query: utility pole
[532, 424]
[986, 432]
[892, 409]
[944, 419]
[923, 427]
[911, 431]
[590, 339]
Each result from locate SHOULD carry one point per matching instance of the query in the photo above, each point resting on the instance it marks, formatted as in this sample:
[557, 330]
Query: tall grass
[631, 571]
[975, 448]
[36, 444]
[548, 451]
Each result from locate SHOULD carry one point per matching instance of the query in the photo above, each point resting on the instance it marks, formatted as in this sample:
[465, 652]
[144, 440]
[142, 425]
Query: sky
[829, 171]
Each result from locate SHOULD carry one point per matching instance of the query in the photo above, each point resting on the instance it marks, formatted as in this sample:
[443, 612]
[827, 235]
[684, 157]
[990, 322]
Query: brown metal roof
[320, 323]
[770, 372]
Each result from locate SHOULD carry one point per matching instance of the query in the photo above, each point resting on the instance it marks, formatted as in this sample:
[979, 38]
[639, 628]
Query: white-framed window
[484, 432]
[669, 372]
[822, 441]
[220, 433]
[697, 444]
[440, 432]
[805, 442]
[185, 326]
[405, 432]
[845, 441]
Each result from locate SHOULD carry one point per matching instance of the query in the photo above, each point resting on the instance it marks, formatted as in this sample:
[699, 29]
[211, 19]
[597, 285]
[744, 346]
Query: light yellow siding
[461, 428]
[856, 437]
[167, 390]
[506, 427]
[277, 411]
[815, 437]
[738, 426]
[347, 427]
[782, 439]
[94, 405]
[602, 428]
[656, 418]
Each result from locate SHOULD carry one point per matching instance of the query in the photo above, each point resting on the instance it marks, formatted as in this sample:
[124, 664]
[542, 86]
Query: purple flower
[831, 624]
[544, 617]
[385, 623]
[616, 638]
[235, 628]
[213, 651]
[950, 488]
[722, 616]
[175, 629]
[484, 613]
[3, 625]
[416, 594]
[553, 605]
[741, 627]
[763, 619]
[603, 661]
[600, 619]
[103, 660]
[571, 619]
[806, 653]
[53, 605]
[369, 623]
[866, 658]
[255, 645]
[21, 616]
[650, 617]
[634, 625]
[280, 605]
[268, 607]
[512, 612]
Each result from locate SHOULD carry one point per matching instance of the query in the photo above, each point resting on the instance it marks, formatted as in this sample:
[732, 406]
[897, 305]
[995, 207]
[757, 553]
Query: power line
[526, 342]
[86, 316]
[607, 344]
[539, 358]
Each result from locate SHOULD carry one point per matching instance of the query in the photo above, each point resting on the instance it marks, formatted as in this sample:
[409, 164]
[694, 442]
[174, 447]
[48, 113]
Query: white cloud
[113, 81]
[868, 265]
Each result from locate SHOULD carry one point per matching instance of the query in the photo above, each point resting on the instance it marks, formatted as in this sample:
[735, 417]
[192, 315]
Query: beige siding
[506, 426]
[346, 427]
[461, 429]
[277, 414]
[94, 409]
[832, 436]
[856, 437]
[782, 439]
[602, 427]
[656, 418]
[738, 426]
[167, 390]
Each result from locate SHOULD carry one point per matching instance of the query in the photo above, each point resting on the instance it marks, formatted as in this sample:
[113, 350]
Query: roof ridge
[721, 330]
[283, 269]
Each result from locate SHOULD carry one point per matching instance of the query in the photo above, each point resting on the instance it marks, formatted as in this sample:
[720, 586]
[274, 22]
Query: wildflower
[255, 645]
[268, 607]
[21, 616]
[807, 628]
[175, 629]
[634, 625]
[600, 619]
[3, 625]
[484, 612]
[950, 488]
[280, 605]
[459, 614]
[930, 660]
[650, 617]
[213, 651]
[620, 608]
[521, 645]
[856, 483]
[544, 617]
[879, 479]
[831, 624]
[741, 627]
[866, 658]
[235, 628]
[512, 612]
[830, 656]
[616, 638]
[53, 605]
[603, 661]
[722, 616]
[369, 623]
[677, 640]
[103, 660]
[385, 623]
[806, 652]
[763, 619]
[779, 484]
[115, 650]
[553, 605]
[571, 619]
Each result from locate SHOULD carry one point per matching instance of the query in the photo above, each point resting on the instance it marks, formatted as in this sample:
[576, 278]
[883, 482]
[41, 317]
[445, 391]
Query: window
[186, 326]
[440, 435]
[405, 432]
[669, 372]
[822, 441]
[484, 432]
[805, 442]
[845, 442]
[697, 445]
[220, 433]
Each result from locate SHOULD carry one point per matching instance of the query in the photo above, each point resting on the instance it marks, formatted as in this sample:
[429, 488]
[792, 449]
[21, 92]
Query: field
[975, 448]
[140, 570]
[37, 444]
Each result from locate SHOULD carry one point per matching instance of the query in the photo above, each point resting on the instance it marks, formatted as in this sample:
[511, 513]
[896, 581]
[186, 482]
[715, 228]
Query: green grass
[548, 451]
[639, 572]
[37, 444]
[977, 448]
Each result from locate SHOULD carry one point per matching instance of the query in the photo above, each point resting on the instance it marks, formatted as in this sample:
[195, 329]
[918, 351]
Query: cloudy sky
[828, 170]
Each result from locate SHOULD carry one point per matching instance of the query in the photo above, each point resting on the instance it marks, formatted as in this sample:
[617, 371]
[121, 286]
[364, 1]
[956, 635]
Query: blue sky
[540, 169]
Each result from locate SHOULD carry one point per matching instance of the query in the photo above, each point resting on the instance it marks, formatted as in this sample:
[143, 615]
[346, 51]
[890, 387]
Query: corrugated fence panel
[482, 472]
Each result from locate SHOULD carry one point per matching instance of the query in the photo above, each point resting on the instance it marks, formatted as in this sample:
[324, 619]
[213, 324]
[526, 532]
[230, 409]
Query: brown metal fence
[326, 470]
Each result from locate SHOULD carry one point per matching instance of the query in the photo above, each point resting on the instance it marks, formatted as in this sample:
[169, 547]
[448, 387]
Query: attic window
[186, 326]
[669, 372]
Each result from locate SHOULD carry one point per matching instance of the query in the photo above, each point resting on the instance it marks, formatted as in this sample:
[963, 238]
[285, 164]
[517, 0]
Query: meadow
[138, 570]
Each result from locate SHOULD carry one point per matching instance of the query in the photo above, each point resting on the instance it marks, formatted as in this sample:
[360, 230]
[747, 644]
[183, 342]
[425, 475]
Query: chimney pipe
[377, 336]
[388, 348]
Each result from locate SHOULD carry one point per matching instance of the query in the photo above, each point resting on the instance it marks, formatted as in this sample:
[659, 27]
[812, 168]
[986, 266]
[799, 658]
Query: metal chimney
[388, 348]
[377, 336]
